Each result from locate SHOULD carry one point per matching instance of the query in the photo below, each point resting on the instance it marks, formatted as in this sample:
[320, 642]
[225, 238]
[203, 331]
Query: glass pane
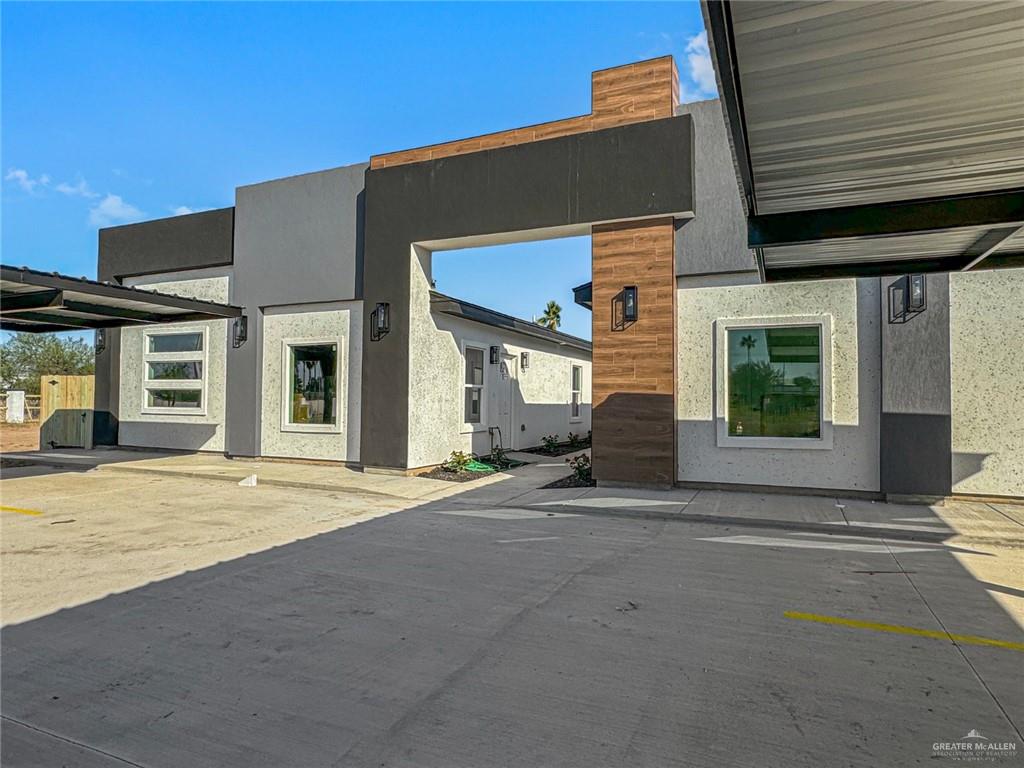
[775, 382]
[175, 342]
[472, 405]
[474, 367]
[577, 378]
[313, 387]
[174, 398]
[185, 369]
[575, 404]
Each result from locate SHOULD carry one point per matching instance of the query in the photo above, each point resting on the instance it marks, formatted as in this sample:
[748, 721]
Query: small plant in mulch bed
[459, 467]
[574, 441]
[550, 443]
[580, 477]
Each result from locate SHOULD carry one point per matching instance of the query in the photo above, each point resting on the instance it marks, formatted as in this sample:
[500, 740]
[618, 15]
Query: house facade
[700, 372]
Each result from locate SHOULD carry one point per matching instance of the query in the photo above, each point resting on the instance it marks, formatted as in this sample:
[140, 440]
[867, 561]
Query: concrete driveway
[480, 631]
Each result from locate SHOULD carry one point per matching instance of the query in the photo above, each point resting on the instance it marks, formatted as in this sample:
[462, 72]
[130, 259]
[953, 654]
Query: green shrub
[580, 466]
[550, 443]
[574, 440]
[457, 462]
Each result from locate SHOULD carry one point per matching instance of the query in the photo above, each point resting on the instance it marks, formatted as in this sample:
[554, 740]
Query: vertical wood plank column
[634, 365]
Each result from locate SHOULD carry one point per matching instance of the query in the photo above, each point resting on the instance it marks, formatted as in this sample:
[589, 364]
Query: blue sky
[127, 111]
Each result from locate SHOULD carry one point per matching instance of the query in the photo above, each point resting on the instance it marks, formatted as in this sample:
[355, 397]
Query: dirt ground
[19, 437]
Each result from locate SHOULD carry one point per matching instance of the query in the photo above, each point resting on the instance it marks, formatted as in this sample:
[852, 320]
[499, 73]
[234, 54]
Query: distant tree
[756, 379]
[25, 357]
[552, 317]
[805, 383]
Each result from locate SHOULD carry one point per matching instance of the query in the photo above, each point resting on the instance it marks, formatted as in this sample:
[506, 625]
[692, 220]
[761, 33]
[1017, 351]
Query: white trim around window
[340, 388]
[575, 393]
[198, 357]
[484, 348]
[722, 326]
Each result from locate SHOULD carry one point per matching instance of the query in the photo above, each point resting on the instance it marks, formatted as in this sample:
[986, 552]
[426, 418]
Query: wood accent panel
[645, 90]
[634, 366]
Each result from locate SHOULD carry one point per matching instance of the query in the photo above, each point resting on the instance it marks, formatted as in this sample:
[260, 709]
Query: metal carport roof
[42, 302]
[875, 137]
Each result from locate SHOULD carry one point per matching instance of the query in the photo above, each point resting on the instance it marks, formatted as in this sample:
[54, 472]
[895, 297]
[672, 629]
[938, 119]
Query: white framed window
[474, 356]
[576, 395]
[774, 382]
[174, 361]
[311, 384]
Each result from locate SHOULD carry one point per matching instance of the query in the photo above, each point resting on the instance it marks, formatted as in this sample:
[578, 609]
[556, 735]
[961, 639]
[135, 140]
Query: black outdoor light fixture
[524, 360]
[101, 341]
[630, 303]
[495, 355]
[380, 321]
[239, 331]
[908, 296]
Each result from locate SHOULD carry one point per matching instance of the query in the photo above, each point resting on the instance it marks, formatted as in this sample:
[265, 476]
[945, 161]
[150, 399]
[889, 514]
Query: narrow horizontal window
[175, 342]
[174, 398]
[774, 387]
[185, 370]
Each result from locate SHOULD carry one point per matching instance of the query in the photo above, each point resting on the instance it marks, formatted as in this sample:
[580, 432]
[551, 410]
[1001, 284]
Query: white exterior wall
[436, 379]
[185, 431]
[852, 462]
[342, 321]
[987, 367]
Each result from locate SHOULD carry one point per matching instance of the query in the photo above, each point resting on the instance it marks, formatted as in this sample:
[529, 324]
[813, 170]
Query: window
[174, 363]
[577, 392]
[311, 386]
[474, 385]
[774, 382]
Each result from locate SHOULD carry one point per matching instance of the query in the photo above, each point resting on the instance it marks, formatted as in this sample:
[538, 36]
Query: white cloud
[184, 210]
[702, 73]
[81, 189]
[22, 179]
[113, 210]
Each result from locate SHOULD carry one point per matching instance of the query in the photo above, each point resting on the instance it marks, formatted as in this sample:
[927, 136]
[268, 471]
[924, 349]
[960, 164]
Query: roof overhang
[584, 295]
[874, 138]
[44, 302]
[474, 312]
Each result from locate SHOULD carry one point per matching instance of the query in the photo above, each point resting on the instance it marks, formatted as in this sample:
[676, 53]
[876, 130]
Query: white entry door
[506, 401]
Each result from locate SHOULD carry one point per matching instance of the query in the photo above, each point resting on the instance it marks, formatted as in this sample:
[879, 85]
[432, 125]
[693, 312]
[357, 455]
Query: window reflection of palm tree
[748, 342]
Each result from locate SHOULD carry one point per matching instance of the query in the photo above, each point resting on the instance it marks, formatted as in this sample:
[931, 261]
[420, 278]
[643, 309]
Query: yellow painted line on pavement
[901, 630]
[20, 511]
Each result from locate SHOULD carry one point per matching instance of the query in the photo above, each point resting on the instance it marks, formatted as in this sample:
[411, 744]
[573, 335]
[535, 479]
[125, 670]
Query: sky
[121, 112]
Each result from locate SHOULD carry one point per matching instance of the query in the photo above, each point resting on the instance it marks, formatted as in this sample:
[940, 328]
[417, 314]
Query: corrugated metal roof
[854, 102]
[929, 245]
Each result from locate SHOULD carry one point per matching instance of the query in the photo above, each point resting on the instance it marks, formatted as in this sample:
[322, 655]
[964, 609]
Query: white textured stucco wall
[342, 319]
[187, 432]
[436, 383]
[852, 463]
[987, 370]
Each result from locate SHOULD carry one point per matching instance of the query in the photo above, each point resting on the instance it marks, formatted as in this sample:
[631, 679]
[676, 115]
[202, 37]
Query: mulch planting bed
[454, 477]
[571, 482]
[562, 449]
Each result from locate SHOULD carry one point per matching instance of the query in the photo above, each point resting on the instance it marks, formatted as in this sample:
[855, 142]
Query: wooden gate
[66, 411]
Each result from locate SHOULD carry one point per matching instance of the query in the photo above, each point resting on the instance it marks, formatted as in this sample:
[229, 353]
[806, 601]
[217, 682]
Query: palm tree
[748, 342]
[552, 317]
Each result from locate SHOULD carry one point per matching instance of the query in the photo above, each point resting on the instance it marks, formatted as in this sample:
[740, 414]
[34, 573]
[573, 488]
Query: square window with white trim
[474, 385]
[174, 362]
[576, 399]
[311, 377]
[774, 383]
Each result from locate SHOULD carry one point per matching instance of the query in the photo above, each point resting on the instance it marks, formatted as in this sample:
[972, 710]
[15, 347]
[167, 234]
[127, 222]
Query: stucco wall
[188, 432]
[344, 320]
[436, 375]
[987, 356]
[852, 462]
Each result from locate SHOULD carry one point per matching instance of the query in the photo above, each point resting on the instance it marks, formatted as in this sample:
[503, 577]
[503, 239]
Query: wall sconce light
[495, 355]
[101, 341]
[908, 296]
[239, 331]
[380, 321]
[524, 360]
[630, 303]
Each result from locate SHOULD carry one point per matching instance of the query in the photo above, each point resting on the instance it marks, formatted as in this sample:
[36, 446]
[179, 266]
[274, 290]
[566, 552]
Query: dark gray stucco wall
[193, 241]
[633, 171]
[174, 244]
[916, 428]
[715, 240]
[298, 240]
